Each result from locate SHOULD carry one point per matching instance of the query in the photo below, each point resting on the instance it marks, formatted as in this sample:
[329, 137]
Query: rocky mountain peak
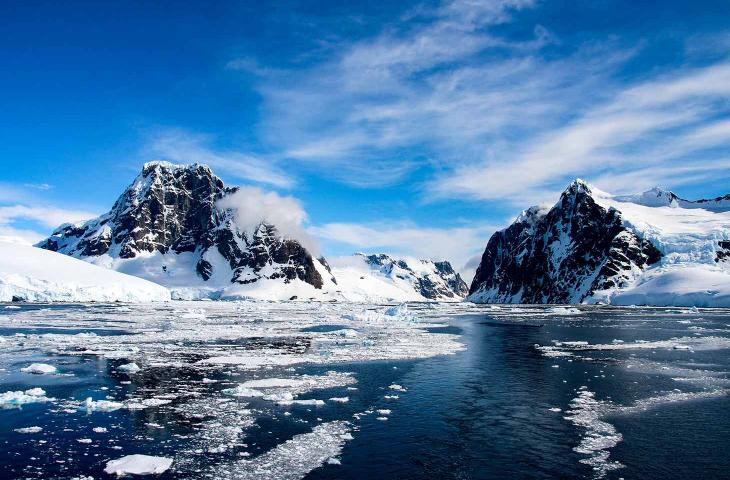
[433, 280]
[561, 255]
[170, 216]
[654, 197]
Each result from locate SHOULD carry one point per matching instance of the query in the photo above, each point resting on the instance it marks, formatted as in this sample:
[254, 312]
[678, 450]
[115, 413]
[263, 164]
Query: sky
[409, 127]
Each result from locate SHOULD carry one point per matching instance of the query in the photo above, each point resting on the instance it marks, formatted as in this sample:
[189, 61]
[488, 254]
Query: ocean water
[433, 391]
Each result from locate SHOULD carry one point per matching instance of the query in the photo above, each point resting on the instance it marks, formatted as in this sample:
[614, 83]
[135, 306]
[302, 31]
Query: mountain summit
[651, 248]
[169, 227]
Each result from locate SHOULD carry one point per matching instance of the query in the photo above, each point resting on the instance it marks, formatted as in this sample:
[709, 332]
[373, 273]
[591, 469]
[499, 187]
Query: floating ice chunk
[138, 465]
[83, 440]
[396, 387]
[39, 369]
[129, 368]
[555, 409]
[241, 391]
[99, 430]
[252, 362]
[29, 430]
[382, 419]
[313, 402]
[18, 398]
[340, 399]
[92, 405]
[284, 390]
[563, 311]
[401, 312]
[384, 412]
[146, 403]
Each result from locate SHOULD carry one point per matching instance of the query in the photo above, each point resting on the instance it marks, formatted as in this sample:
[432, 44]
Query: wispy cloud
[385, 102]
[485, 116]
[40, 215]
[38, 186]
[179, 146]
[655, 130]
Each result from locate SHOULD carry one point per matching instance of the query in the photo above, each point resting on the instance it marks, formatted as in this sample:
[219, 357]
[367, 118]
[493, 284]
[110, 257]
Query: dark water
[483, 413]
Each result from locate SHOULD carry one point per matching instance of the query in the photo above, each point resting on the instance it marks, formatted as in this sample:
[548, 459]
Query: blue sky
[409, 127]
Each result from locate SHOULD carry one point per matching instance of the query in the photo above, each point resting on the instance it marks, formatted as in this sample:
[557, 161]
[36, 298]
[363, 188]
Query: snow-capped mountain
[651, 248]
[36, 275]
[169, 226]
[382, 277]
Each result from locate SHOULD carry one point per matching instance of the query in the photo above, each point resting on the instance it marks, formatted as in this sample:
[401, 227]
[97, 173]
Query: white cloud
[379, 103]
[45, 216]
[646, 132]
[19, 235]
[184, 147]
[253, 206]
[490, 118]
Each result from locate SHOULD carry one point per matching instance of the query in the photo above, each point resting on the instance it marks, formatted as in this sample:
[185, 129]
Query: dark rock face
[165, 209]
[172, 210]
[560, 256]
[723, 251]
[440, 281]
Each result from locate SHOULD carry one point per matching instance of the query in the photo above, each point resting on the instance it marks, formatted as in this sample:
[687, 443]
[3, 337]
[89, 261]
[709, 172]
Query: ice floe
[293, 459]
[39, 369]
[92, 405]
[129, 368]
[138, 465]
[29, 430]
[600, 436]
[18, 398]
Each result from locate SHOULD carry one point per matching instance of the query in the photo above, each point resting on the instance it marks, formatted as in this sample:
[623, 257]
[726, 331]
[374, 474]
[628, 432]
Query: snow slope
[33, 274]
[689, 236]
[378, 278]
[678, 285]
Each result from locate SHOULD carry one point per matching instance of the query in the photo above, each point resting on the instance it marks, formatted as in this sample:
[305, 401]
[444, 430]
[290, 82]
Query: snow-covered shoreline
[32, 274]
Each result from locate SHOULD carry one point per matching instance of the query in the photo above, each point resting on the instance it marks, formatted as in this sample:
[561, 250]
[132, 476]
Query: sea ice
[138, 465]
[92, 405]
[129, 368]
[293, 459]
[18, 398]
[39, 368]
[29, 430]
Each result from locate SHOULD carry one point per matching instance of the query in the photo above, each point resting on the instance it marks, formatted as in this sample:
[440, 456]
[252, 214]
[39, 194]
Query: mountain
[32, 274]
[174, 226]
[595, 247]
[169, 227]
[382, 277]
